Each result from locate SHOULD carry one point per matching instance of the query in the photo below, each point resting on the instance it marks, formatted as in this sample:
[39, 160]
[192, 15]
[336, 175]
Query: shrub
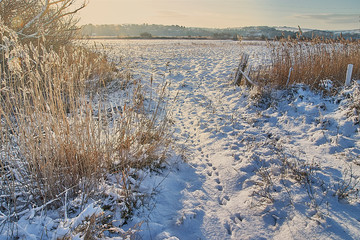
[51, 22]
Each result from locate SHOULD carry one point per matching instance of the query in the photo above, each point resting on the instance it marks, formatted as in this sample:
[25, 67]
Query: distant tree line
[154, 30]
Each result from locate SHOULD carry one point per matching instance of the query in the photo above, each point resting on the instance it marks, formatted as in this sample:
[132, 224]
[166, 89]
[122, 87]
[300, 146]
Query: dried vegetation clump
[313, 62]
[57, 141]
[319, 63]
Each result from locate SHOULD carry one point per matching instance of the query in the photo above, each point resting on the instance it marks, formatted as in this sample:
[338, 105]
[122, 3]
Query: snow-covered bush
[53, 22]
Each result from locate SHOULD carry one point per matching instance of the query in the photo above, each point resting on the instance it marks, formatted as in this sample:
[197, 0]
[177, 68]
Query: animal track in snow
[236, 217]
[228, 228]
[219, 187]
[223, 200]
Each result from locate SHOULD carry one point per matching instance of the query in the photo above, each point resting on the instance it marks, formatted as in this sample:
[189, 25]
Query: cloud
[331, 18]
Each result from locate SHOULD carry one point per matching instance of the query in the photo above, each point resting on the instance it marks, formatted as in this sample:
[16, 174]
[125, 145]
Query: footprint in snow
[234, 147]
[219, 187]
[236, 157]
[222, 201]
[236, 217]
[228, 228]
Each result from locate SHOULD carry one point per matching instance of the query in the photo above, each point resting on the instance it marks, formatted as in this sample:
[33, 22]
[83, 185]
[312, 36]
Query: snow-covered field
[256, 167]
[245, 164]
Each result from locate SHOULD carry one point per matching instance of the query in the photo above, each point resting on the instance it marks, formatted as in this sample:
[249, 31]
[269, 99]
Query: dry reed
[312, 62]
[52, 140]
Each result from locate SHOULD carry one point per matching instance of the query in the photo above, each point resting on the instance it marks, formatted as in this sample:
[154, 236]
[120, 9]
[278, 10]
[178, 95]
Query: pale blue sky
[319, 14]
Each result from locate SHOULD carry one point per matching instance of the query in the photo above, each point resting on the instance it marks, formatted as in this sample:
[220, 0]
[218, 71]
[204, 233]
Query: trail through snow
[207, 126]
[231, 140]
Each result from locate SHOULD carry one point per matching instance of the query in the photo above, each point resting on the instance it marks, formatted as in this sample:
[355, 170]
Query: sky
[315, 14]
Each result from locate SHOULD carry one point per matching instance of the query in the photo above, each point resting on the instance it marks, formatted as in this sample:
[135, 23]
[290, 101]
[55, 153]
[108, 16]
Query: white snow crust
[245, 164]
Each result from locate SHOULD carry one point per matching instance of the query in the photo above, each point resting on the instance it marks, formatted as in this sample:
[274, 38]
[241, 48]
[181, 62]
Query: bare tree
[52, 21]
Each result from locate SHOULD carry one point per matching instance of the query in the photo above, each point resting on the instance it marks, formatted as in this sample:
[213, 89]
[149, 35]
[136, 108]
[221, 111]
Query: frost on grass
[261, 162]
[247, 163]
[59, 141]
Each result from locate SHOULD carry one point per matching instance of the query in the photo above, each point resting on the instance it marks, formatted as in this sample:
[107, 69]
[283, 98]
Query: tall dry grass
[52, 140]
[311, 62]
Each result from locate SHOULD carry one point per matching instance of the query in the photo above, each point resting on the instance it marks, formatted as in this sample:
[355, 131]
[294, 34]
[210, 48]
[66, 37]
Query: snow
[246, 164]
[228, 134]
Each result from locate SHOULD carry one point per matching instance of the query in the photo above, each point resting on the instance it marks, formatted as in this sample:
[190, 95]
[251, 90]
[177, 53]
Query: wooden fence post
[241, 68]
[288, 80]
[249, 81]
[348, 74]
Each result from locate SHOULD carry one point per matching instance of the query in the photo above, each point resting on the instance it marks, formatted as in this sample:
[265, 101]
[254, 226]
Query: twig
[37, 208]
[34, 209]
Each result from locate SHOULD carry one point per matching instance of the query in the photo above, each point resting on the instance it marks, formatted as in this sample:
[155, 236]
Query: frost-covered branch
[32, 19]
[36, 18]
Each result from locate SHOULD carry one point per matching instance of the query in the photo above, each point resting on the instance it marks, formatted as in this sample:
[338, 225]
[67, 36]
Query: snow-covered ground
[248, 165]
[245, 164]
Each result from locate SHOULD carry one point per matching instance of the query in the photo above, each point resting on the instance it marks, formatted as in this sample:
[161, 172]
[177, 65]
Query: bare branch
[58, 15]
[37, 17]
[32, 19]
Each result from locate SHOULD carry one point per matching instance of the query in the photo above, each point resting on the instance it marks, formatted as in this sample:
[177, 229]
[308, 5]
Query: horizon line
[297, 27]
